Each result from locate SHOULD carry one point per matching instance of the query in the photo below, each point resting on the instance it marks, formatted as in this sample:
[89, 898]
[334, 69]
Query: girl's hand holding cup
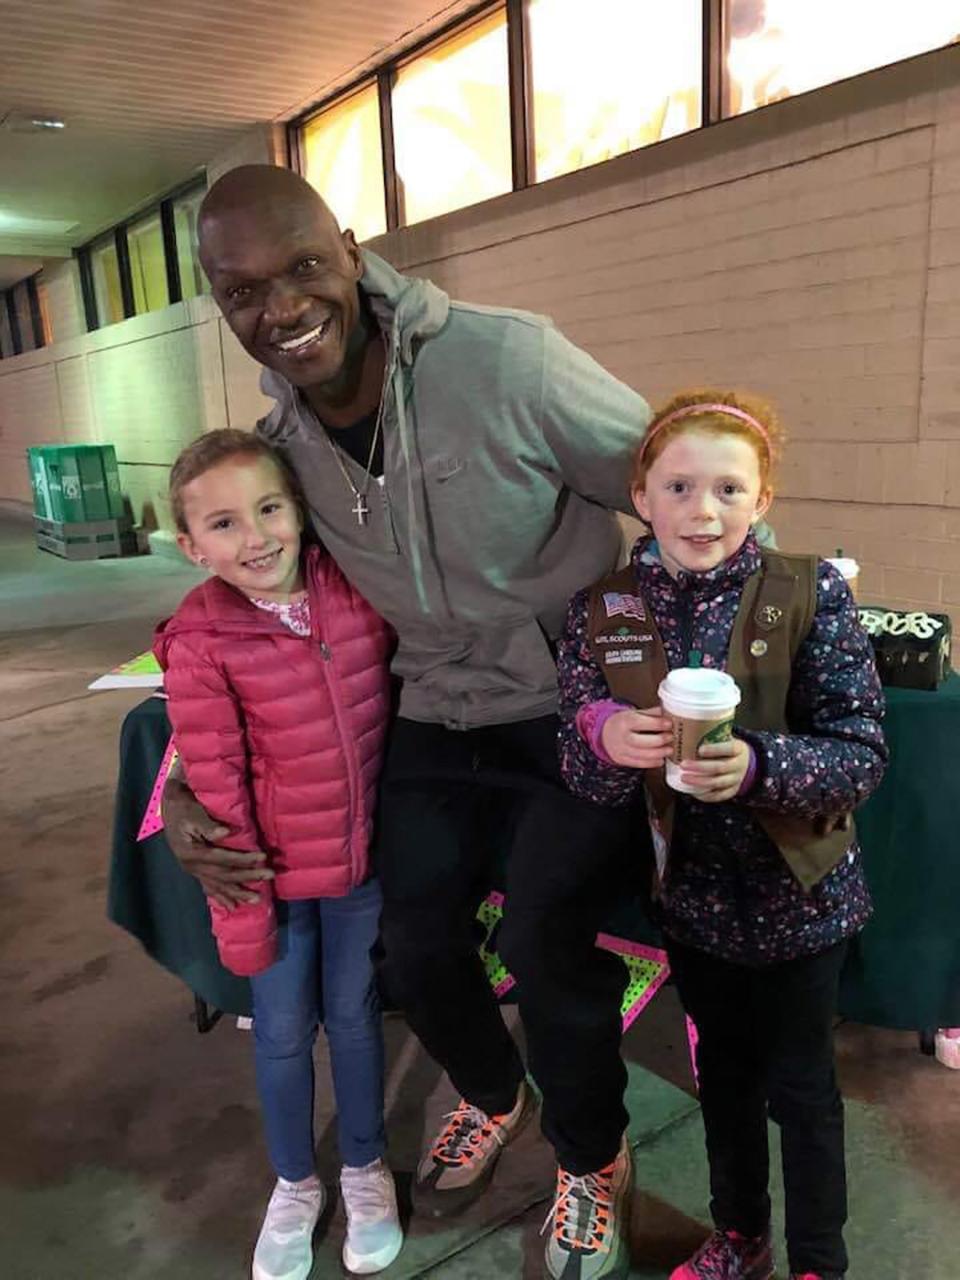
[638, 739]
[718, 772]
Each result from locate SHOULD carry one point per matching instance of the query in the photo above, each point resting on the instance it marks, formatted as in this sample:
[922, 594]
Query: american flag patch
[619, 604]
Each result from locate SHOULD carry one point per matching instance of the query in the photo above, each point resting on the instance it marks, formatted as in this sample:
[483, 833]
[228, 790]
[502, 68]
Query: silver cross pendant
[361, 510]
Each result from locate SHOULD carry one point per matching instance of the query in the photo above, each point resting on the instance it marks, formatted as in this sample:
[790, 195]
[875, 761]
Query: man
[461, 464]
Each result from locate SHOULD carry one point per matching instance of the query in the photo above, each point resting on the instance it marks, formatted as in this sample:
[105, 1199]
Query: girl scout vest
[775, 614]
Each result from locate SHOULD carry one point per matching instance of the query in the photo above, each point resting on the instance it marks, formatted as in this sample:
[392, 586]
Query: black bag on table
[912, 649]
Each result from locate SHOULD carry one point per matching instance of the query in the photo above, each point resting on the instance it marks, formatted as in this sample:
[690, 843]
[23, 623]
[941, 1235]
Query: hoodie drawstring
[396, 380]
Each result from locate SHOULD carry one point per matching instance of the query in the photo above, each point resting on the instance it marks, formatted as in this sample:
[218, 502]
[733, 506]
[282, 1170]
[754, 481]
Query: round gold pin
[758, 648]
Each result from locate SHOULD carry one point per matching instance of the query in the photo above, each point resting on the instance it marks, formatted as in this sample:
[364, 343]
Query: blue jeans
[323, 969]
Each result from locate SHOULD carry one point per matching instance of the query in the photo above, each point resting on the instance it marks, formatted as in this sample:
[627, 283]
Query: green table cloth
[904, 970]
[149, 894]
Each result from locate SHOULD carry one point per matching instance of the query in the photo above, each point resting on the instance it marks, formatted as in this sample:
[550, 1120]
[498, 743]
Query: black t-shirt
[355, 441]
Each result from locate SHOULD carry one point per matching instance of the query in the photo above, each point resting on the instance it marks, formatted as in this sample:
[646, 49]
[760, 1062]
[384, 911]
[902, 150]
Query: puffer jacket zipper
[347, 743]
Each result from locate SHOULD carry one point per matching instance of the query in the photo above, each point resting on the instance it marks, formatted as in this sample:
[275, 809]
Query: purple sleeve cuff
[590, 721]
[750, 777]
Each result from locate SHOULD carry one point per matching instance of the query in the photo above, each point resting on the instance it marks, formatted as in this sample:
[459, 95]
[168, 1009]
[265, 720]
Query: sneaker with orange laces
[591, 1221]
[460, 1162]
[727, 1255]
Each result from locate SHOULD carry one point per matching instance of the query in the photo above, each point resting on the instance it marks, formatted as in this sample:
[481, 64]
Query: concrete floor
[130, 1146]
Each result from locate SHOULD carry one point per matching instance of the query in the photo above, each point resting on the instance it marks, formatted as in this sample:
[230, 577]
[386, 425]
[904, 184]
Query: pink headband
[689, 409]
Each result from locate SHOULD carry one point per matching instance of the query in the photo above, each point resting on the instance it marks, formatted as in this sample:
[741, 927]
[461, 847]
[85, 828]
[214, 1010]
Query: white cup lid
[708, 689]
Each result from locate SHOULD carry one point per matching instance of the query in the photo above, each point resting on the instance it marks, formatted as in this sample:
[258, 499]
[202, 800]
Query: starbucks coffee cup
[850, 570]
[701, 703]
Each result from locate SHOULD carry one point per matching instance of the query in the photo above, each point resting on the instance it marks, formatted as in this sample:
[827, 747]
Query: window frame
[13, 321]
[84, 254]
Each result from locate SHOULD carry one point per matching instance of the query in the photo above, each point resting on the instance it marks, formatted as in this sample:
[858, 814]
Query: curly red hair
[769, 447]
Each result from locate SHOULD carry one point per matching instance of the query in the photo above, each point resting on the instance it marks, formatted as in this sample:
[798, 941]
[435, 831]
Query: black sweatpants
[766, 1041]
[455, 807]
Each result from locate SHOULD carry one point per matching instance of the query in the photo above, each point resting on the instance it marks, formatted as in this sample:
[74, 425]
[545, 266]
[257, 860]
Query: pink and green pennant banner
[647, 966]
[153, 818]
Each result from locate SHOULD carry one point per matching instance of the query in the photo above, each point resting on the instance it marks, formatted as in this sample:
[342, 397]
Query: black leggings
[766, 1042]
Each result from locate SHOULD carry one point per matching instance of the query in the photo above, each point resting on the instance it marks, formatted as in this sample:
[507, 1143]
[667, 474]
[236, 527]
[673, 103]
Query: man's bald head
[283, 273]
[264, 191]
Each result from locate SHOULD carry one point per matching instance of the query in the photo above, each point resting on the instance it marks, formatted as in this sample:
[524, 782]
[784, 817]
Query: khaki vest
[775, 614]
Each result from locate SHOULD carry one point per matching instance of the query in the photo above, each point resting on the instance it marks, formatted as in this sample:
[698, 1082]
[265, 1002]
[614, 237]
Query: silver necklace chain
[361, 508]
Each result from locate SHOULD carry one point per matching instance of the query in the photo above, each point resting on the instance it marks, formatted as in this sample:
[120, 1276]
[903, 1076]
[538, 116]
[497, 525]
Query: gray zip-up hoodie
[506, 448]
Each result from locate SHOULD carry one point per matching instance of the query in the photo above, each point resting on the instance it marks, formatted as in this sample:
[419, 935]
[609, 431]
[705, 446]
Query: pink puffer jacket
[281, 738]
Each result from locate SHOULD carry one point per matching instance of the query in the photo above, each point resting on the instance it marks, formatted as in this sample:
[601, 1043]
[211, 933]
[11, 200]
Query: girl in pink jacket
[276, 673]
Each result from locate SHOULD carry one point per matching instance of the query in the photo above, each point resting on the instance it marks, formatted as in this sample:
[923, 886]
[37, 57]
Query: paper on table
[141, 672]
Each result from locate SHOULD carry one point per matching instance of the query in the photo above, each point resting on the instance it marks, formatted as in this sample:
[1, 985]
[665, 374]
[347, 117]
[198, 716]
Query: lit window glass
[776, 48]
[609, 77]
[21, 299]
[44, 301]
[344, 162]
[185, 210]
[106, 283]
[451, 122]
[148, 271]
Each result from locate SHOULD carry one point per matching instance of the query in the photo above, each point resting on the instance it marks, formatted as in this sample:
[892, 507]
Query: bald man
[462, 464]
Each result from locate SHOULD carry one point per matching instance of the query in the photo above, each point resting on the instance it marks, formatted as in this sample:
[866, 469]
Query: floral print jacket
[728, 890]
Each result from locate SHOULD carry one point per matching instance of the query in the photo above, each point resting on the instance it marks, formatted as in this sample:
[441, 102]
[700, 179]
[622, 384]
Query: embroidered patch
[618, 656]
[620, 604]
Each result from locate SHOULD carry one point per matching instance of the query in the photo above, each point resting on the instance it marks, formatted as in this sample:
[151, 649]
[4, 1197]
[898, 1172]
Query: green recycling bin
[77, 504]
[75, 483]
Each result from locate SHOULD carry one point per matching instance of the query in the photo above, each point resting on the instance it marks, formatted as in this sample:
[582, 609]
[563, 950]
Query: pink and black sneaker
[815, 1275]
[727, 1255]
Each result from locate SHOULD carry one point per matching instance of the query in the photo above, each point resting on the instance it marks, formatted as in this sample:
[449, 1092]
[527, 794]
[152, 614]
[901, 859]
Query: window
[609, 77]
[193, 282]
[21, 302]
[776, 48]
[538, 88]
[43, 304]
[106, 282]
[451, 122]
[148, 270]
[160, 264]
[344, 161]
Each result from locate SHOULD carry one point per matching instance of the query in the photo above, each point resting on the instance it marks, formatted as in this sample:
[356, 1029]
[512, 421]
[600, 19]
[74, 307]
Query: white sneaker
[374, 1236]
[285, 1245]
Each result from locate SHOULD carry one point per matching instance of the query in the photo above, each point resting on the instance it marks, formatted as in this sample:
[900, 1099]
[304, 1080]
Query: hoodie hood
[408, 311]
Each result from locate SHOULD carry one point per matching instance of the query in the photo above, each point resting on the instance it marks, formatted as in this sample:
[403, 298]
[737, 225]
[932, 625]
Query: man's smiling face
[285, 278]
